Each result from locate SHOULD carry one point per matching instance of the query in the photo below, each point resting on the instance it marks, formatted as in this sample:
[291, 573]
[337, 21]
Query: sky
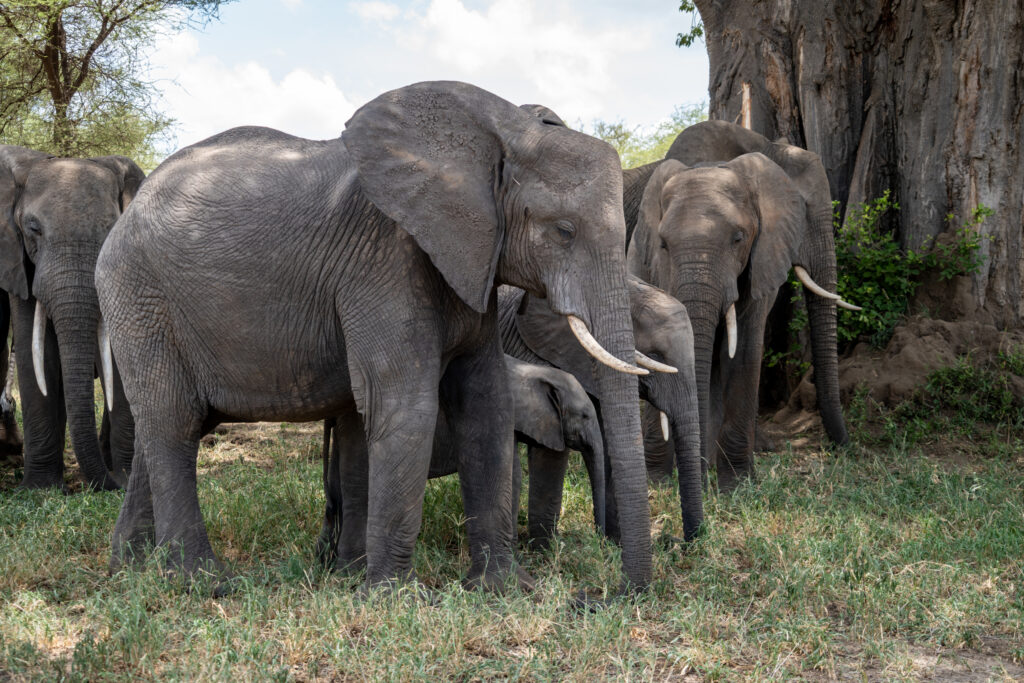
[304, 66]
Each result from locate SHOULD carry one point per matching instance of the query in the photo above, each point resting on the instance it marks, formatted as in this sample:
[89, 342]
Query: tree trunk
[923, 97]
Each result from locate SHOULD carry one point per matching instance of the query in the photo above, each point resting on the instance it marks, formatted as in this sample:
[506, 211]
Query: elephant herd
[452, 275]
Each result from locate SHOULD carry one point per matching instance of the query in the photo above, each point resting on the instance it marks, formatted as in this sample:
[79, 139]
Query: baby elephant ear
[15, 163]
[544, 114]
[431, 157]
[646, 240]
[783, 225]
[129, 176]
[537, 403]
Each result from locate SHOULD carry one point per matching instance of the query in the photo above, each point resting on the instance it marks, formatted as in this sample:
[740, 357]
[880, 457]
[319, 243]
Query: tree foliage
[636, 146]
[74, 73]
[696, 25]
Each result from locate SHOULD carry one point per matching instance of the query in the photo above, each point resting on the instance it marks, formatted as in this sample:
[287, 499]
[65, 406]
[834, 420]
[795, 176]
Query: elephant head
[555, 414]
[495, 195]
[722, 239]
[711, 141]
[662, 332]
[58, 212]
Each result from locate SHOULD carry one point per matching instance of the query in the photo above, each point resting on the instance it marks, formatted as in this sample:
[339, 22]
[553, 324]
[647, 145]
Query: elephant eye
[566, 230]
[737, 237]
[664, 244]
[32, 225]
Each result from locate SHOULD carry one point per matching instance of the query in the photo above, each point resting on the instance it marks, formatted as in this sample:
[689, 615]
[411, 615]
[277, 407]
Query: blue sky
[304, 66]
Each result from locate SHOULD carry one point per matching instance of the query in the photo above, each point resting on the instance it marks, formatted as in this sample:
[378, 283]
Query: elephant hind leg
[547, 479]
[135, 530]
[342, 541]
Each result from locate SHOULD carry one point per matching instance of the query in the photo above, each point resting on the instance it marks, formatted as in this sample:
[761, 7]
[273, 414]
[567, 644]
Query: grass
[885, 561]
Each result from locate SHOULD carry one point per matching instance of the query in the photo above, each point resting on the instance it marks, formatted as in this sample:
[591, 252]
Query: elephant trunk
[74, 309]
[821, 313]
[686, 437]
[592, 451]
[620, 413]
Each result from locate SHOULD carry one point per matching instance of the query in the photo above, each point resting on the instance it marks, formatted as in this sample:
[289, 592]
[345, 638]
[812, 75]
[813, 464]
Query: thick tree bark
[923, 97]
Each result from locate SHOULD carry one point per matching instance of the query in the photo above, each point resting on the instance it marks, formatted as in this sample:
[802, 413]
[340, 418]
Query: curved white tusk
[651, 364]
[587, 341]
[730, 329]
[664, 426]
[39, 346]
[810, 284]
[107, 362]
[848, 306]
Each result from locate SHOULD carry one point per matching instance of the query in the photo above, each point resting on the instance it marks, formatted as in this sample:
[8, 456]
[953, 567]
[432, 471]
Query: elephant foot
[539, 542]
[44, 480]
[501, 581]
[108, 482]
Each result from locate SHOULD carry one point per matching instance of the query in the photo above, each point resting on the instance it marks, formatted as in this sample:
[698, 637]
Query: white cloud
[375, 10]
[568, 64]
[207, 96]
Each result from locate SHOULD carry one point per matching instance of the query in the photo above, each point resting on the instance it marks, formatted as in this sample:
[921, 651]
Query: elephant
[721, 238]
[661, 327]
[553, 415]
[56, 214]
[261, 276]
[720, 141]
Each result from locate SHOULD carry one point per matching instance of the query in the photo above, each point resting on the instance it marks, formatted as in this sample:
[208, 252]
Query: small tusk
[39, 346]
[107, 361]
[848, 306]
[651, 364]
[730, 329]
[664, 426]
[587, 341]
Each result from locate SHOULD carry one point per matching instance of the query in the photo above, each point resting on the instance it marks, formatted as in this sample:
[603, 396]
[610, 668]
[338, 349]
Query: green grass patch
[828, 564]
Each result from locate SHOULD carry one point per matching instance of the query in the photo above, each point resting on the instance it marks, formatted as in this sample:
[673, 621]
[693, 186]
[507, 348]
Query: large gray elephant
[553, 415]
[720, 141]
[661, 328]
[56, 214]
[259, 276]
[722, 238]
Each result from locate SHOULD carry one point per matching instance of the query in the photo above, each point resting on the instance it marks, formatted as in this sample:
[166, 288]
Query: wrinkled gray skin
[719, 141]
[11, 442]
[661, 329]
[393, 239]
[553, 415]
[56, 214]
[714, 236]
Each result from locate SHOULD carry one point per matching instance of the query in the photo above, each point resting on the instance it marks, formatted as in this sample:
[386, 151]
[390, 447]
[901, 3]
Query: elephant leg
[122, 433]
[481, 420]
[659, 453]
[44, 417]
[135, 529]
[342, 543]
[11, 442]
[105, 439]
[547, 479]
[740, 377]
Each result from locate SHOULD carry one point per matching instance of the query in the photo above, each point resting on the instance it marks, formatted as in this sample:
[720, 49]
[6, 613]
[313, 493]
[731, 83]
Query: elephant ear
[128, 174]
[646, 241]
[782, 215]
[538, 412]
[548, 335]
[544, 114]
[15, 164]
[431, 156]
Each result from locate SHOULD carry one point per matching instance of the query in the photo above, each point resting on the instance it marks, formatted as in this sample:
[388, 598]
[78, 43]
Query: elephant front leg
[481, 419]
[739, 381]
[135, 530]
[119, 428]
[659, 452]
[44, 417]
[547, 480]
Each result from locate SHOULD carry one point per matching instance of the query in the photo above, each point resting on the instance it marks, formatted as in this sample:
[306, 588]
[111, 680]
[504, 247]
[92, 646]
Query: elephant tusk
[39, 346]
[651, 364]
[730, 329]
[587, 341]
[664, 426]
[810, 284]
[107, 361]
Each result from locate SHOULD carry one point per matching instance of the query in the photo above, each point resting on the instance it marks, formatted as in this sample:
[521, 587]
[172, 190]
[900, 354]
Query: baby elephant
[553, 416]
